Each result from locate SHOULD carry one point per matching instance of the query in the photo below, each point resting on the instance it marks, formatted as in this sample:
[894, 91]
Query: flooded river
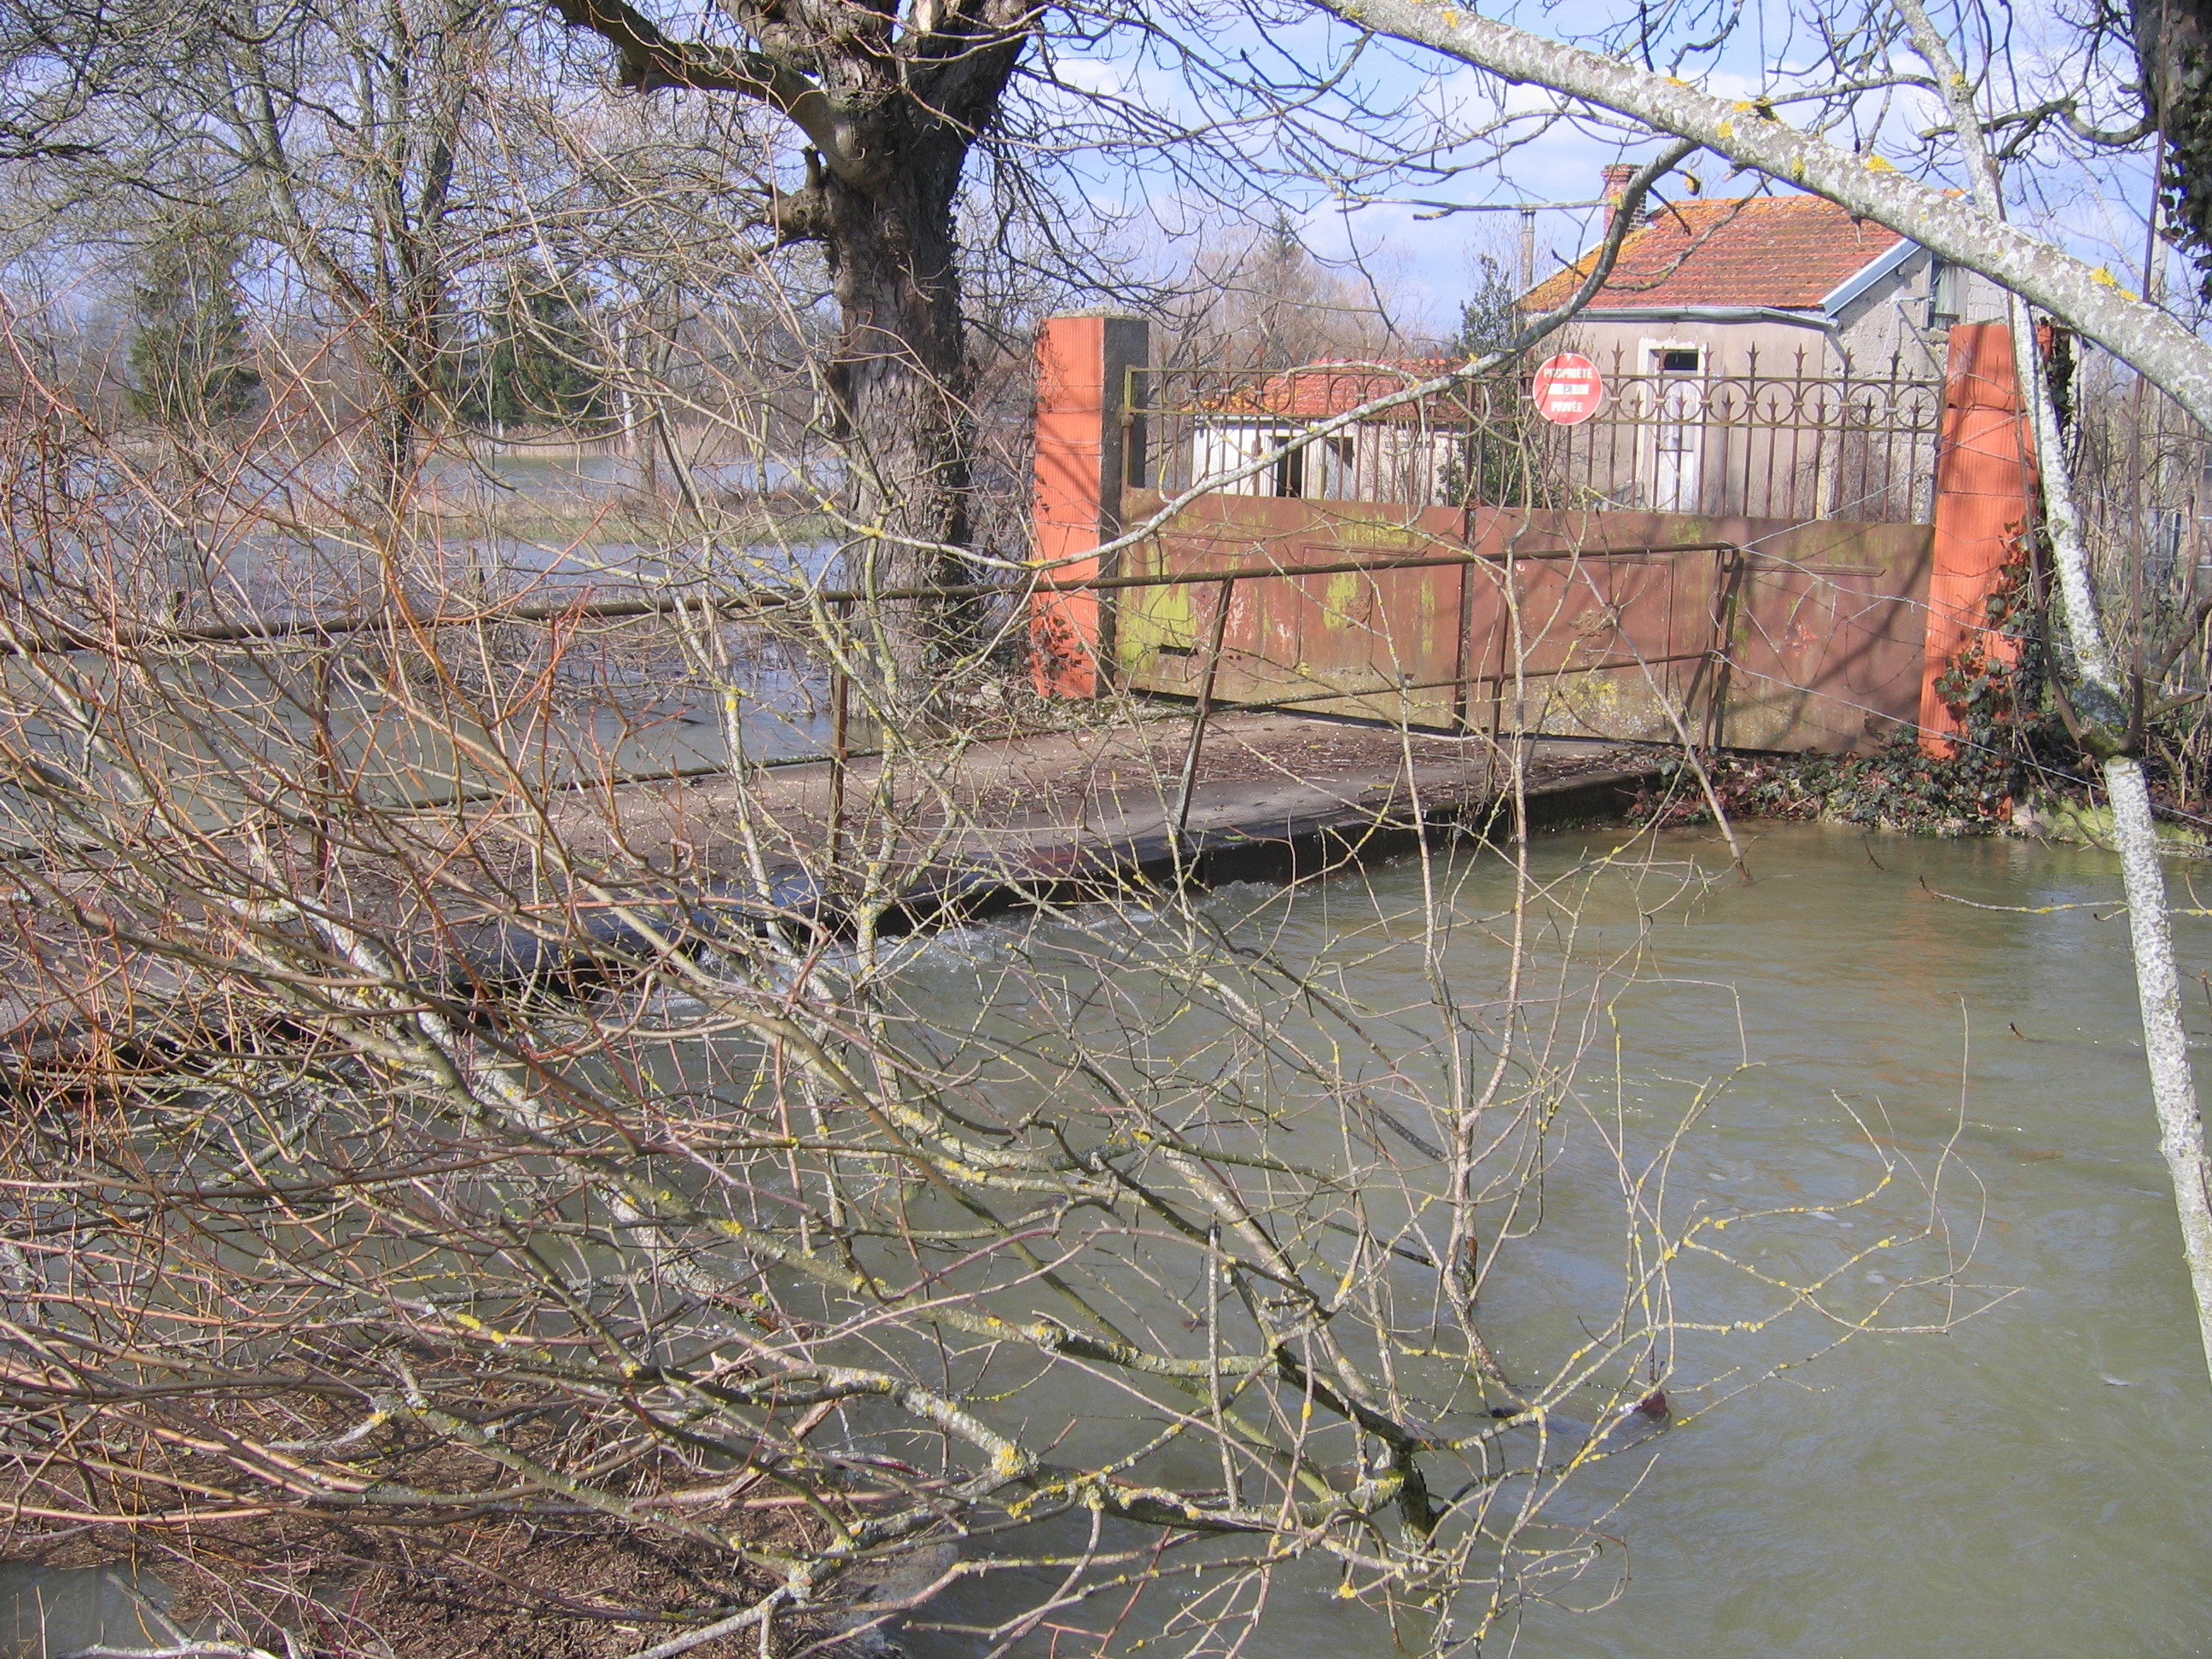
[1935, 1112]
[2035, 1478]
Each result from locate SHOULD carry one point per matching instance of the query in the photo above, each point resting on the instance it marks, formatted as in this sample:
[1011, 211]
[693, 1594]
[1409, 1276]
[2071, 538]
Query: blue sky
[2093, 206]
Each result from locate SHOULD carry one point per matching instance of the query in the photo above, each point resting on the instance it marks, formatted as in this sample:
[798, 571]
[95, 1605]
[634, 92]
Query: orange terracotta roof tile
[1320, 390]
[1785, 251]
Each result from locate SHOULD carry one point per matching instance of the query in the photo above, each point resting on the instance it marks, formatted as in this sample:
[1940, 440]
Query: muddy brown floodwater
[2036, 1478]
[2033, 1477]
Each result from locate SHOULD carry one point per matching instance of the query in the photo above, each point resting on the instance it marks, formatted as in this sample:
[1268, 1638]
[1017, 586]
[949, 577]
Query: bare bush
[460, 1198]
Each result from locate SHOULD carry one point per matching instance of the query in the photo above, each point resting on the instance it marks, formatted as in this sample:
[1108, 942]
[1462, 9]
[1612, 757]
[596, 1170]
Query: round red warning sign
[1568, 389]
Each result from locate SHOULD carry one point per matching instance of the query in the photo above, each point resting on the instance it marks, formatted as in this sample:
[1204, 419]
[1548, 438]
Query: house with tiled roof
[1766, 350]
[1763, 357]
[1771, 285]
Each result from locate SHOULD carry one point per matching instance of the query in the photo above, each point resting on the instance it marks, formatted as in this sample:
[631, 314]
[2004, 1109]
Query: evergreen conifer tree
[189, 357]
[1491, 312]
[536, 362]
[1497, 465]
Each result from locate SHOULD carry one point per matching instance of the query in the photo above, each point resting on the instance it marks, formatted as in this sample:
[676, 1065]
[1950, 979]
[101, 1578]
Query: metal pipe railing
[66, 637]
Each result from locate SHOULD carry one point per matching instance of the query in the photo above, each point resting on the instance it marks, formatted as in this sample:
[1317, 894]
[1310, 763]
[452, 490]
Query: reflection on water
[607, 471]
[281, 576]
[45, 1611]
[2035, 1479]
[565, 471]
[557, 703]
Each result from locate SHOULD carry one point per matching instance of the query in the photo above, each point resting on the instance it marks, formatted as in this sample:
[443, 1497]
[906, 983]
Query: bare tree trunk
[2158, 984]
[900, 381]
[2135, 830]
[888, 106]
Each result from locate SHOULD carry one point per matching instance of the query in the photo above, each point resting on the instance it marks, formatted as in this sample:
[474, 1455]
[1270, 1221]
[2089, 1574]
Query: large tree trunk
[901, 382]
[403, 365]
[889, 101]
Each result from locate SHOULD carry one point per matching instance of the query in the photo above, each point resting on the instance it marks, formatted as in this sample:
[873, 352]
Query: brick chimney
[1617, 176]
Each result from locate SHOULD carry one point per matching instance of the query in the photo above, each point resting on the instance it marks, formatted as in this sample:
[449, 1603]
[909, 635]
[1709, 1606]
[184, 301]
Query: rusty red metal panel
[1804, 632]
[1820, 623]
[1826, 641]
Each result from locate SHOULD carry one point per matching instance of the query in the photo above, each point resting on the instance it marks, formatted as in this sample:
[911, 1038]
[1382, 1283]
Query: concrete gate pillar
[1082, 439]
[1984, 497]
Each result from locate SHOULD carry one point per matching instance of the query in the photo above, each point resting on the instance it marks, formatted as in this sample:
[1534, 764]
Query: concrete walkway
[1276, 794]
[947, 833]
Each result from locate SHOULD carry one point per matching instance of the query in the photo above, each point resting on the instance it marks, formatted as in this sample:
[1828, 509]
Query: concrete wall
[1898, 320]
[1895, 321]
[1373, 461]
[1627, 346]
